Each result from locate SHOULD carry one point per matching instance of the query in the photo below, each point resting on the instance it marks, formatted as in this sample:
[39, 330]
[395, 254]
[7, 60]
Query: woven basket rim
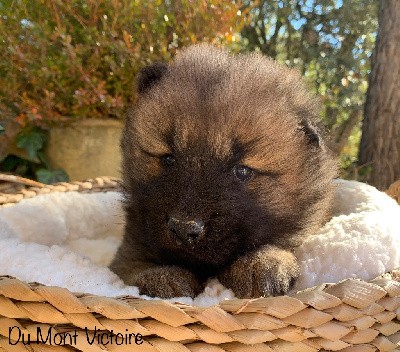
[328, 315]
[332, 316]
[99, 184]
[383, 281]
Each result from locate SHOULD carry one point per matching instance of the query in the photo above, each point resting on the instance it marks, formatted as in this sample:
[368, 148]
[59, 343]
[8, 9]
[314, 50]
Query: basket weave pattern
[99, 184]
[352, 315]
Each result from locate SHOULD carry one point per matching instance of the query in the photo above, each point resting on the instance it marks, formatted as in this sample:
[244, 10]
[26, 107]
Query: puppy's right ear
[312, 133]
[148, 76]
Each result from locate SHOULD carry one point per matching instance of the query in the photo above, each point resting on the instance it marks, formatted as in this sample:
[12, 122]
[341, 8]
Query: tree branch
[342, 133]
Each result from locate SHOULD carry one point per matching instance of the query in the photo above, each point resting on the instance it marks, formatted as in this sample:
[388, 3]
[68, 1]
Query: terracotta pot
[86, 148]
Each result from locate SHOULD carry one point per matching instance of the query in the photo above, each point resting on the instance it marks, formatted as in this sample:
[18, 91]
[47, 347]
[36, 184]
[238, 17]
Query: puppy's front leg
[155, 280]
[268, 271]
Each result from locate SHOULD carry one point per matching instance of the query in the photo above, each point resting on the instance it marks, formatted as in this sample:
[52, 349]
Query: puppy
[224, 172]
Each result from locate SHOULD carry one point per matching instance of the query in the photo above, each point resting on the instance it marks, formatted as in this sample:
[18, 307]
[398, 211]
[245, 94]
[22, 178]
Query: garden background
[67, 71]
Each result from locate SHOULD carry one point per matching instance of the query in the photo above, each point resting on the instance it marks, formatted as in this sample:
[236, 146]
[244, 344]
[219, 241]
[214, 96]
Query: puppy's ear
[312, 133]
[149, 76]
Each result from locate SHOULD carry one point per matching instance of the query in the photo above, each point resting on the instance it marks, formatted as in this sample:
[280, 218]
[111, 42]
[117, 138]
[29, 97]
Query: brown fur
[212, 111]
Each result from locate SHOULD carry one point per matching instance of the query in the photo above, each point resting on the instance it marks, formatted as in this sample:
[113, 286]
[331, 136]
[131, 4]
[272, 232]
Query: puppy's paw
[167, 282]
[267, 272]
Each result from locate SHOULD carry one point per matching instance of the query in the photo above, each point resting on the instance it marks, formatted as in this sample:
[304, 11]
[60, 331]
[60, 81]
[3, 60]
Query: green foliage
[63, 60]
[33, 141]
[51, 176]
[330, 42]
[16, 165]
[19, 166]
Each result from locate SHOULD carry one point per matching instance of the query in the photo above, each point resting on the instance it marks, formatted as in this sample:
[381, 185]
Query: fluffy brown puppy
[224, 172]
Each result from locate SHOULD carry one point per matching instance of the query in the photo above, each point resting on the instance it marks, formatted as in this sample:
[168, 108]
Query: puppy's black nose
[186, 230]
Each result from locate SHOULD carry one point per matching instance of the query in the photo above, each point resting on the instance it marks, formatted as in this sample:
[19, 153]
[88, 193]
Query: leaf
[42, 157]
[2, 130]
[33, 140]
[51, 176]
[16, 165]
[10, 163]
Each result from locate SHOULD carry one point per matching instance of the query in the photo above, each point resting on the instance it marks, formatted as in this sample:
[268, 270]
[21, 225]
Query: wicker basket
[352, 315]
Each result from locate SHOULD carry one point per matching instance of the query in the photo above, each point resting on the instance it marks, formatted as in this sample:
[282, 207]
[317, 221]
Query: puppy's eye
[243, 173]
[168, 160]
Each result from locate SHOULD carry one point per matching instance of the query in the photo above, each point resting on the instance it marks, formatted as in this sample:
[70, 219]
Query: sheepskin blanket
[68, 239]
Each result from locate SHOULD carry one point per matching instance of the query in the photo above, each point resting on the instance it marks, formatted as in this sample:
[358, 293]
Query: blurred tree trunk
[380, 142]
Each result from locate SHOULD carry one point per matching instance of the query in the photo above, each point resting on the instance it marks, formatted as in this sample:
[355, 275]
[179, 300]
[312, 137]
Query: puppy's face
[221, 157]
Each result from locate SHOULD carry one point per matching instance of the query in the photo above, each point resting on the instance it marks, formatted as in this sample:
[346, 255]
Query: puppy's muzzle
[187, 231]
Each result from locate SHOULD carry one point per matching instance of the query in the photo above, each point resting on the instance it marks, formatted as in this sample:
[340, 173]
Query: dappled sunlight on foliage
[63, 59]
[68, 60]
[330, 42]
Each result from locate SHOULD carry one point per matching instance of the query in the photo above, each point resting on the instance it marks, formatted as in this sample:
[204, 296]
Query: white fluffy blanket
[67, 240]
